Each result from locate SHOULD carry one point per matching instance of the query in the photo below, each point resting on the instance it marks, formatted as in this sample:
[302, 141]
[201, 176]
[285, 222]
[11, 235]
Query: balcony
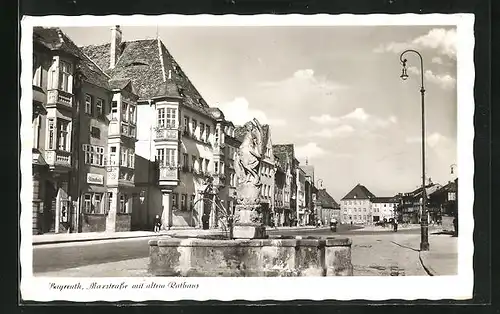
[57, 158]
[165, 134]
[59, 98]
[168, 176]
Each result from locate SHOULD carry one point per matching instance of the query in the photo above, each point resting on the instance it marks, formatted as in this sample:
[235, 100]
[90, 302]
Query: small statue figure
[250, 155]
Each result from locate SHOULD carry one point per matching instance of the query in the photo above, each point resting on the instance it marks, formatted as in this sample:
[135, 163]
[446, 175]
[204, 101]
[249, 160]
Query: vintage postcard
[247, 157]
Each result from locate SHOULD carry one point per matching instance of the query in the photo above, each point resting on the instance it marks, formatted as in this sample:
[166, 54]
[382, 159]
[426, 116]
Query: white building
[355, 207]
[383, 208]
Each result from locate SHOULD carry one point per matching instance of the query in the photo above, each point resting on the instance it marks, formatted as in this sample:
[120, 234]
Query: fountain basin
[271, 257]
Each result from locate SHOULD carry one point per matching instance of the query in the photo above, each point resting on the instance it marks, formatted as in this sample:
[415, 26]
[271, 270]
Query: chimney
[114, 50]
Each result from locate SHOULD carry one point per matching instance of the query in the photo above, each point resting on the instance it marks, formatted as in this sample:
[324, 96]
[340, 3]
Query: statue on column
[248, 217]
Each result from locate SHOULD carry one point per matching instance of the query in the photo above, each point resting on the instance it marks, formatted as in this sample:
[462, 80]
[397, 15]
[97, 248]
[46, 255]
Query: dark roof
[54, 39]
[383, 199]
[152, 69]
[326, 200]
[239, 132]
[359, 192]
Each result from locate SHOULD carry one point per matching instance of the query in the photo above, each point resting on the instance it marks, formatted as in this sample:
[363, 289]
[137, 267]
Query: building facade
[383, 208]
[356, 206]
[286, 160]
[181, 142]
[329, 207]
[75, 136]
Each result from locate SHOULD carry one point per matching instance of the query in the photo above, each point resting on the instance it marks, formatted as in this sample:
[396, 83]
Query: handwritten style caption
[122, 286]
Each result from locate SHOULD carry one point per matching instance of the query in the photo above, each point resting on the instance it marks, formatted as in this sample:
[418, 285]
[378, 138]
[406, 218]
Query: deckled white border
[252, 289]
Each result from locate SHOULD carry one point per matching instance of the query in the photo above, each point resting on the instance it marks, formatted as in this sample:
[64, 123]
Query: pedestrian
[395, 225]
[157, 223]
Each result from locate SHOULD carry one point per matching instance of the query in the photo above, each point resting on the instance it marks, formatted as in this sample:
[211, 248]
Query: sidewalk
[388, 228]
[442, 257]
[95, 236]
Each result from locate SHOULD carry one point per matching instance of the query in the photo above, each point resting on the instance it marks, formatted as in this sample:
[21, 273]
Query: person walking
[395, 225]
[157, 223]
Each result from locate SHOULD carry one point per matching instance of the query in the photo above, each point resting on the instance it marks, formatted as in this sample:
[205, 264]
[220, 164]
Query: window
[112, 156]
[88, 104]
[207, 134]
[64, 76]
[160, 156]
[99, 104]
[131, 157]
[114, 110]
[193, 162]
[217, 135]
[185, 160]
[175, 200]
[191, 203]
[97, 203]
[202, 130]
[131, 114]
[36, 130]
[51, 137]
[87, 203]
[207, 163]
[186, 124]
[201, 163]
[124, 112]
[170, 155]
[222, 167]
[63, 135]
[110, 199]
[124, 158]
[95, 132]
[161, 117]
[123, 205]
[171, 117]
[216, 167]
[99, 160]
[184, 201]
[194, 125]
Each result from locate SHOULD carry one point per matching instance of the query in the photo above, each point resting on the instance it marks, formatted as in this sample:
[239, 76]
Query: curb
[427, 269]
[94, 239]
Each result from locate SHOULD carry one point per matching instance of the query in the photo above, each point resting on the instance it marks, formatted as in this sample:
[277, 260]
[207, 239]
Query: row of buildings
[360, 206]
[120, 135]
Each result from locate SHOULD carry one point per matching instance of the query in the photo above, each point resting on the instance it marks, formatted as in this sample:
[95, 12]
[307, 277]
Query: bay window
[64, 76]
[170, 157]
[171, 117]
[112, 156]
[131, 157]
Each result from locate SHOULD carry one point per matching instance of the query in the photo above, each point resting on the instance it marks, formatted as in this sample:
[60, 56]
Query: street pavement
[374, 253]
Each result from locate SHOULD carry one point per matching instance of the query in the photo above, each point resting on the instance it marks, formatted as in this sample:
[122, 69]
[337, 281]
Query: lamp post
[424, 224]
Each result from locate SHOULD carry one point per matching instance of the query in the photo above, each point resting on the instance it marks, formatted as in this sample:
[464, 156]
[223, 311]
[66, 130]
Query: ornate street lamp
[424, 224]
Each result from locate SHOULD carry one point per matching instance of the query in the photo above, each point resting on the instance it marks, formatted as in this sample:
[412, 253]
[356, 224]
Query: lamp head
[404, 74]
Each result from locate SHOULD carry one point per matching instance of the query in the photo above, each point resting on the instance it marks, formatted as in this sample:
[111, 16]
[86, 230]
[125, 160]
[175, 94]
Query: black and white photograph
[171, 153]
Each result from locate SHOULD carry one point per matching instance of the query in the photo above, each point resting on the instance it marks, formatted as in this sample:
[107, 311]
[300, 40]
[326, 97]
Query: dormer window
[137, 63]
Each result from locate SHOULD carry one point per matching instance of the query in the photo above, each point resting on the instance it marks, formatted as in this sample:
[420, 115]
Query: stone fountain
[250, 252]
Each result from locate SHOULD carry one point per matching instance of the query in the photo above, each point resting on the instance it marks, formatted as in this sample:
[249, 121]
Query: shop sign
[93, 178]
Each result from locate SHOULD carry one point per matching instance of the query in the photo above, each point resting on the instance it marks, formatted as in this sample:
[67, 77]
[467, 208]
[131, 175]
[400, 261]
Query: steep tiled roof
[239, 133]
[118, 84]
[359, 192]
[326, 200]
[286, 149]
[152, 69]
[54, 39]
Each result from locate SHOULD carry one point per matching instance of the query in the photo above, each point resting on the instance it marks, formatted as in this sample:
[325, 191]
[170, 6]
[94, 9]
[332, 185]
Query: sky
[334, 92]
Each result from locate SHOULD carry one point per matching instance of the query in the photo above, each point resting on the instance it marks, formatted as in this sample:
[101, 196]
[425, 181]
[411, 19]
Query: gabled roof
[54, 39]
[359, 192]
[326, 200]
[152, 69]
[285, 154]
